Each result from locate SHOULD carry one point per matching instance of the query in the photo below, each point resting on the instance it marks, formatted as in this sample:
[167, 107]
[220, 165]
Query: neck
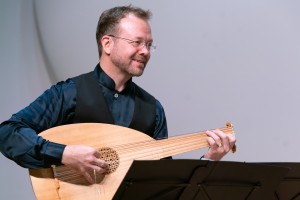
[117, 75]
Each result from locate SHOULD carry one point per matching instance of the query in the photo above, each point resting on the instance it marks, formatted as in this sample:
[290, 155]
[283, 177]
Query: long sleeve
[19, 139]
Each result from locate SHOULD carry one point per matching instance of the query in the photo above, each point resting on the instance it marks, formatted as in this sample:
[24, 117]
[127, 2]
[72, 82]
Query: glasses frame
[136, 43]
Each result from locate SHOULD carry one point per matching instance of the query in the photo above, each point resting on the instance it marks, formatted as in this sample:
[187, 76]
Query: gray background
[216, 61]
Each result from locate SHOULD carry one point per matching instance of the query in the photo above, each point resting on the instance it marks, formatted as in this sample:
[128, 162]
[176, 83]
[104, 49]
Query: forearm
[19, 138]
[22, 145]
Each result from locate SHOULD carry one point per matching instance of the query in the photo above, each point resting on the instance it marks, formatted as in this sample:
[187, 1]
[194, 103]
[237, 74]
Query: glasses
[137, 43]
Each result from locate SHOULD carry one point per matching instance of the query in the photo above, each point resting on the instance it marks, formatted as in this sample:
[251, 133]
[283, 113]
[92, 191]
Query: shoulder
[63, 90]
[159, 106]
[66, 86]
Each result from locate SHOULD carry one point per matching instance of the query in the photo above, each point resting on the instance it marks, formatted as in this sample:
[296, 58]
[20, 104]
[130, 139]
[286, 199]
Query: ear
[106, 44]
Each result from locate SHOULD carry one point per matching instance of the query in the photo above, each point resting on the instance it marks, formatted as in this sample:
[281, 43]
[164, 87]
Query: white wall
[216, 61]
[23, 77]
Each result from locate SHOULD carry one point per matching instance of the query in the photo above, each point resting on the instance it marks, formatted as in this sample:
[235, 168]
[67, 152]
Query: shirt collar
[108, 82]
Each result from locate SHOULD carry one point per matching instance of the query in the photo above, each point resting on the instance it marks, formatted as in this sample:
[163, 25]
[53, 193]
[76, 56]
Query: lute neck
[188, 142]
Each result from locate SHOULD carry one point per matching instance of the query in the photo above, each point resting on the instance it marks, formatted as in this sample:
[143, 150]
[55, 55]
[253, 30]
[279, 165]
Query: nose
[145, 50]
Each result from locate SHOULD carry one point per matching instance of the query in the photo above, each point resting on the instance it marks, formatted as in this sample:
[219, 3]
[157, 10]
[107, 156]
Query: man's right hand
[84, 159]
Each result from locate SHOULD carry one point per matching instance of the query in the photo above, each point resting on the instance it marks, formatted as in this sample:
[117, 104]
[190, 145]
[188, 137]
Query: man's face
[130, 58]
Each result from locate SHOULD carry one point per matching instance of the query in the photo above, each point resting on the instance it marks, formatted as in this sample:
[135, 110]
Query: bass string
[74, 177]
[95, 182]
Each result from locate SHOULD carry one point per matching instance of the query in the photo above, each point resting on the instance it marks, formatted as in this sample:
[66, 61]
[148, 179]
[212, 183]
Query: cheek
[127, 53]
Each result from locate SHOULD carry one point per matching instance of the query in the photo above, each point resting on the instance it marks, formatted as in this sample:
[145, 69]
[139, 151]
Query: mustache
[141, 59]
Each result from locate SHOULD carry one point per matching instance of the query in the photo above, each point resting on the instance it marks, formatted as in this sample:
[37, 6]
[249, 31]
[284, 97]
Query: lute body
[119, 146]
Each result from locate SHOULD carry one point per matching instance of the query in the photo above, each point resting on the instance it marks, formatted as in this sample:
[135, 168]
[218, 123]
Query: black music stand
[289, 186]
[198, 179]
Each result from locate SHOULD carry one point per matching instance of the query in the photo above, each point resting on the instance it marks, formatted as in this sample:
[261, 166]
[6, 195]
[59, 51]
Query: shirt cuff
[202, 158]
[54, 152]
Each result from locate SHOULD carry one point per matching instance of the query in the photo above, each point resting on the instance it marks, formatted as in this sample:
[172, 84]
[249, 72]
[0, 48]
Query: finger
[100, 166]
[224, 138]
[88, 177]
[212, 143]
[101, 163]
[99, 170]
[232, 138]
[97, 154]
[215, 137]
[232, 141]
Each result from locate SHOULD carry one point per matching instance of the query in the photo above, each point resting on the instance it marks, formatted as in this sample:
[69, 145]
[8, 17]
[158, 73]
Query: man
[105, 95]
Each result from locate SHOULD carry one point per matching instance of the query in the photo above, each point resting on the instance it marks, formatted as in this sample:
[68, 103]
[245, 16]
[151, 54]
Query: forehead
[135, 27]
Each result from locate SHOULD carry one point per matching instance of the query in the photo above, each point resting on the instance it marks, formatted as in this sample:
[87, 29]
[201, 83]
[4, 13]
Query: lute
[119, 146]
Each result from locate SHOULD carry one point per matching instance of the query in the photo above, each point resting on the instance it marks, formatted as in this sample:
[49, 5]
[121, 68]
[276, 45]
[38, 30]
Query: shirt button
[116, 95]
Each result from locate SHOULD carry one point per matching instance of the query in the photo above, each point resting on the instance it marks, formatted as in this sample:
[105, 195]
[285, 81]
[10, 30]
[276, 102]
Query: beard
[134, 66]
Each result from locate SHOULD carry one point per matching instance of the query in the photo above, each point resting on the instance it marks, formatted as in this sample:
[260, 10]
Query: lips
[140, 61]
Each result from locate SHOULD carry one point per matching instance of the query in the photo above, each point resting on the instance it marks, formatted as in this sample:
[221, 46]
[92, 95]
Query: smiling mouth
[140, 61]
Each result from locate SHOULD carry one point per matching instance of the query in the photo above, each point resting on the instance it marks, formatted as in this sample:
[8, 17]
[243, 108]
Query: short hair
[109, 21]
